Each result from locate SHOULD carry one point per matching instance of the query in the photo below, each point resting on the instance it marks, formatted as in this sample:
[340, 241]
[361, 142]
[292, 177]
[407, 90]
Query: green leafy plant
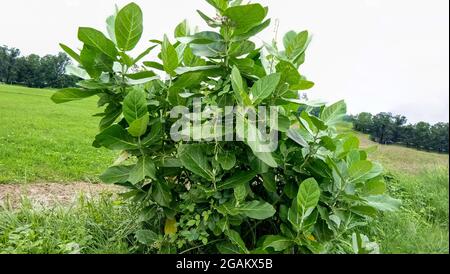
[309, 194]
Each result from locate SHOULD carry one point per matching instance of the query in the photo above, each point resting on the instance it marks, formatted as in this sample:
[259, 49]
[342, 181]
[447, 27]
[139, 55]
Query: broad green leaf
[139, 127]
[227, 160]
[295, 136]
[365, 211]
[238, 84]
[111, 28]
[143, 169]
[334, 113]
[116, 138]
[383, 202]
[237, 179]
[277, 242]
[245, 17]
[71, 52]
[374, 187]
[295, 44]
[240, 192]
[359, 169]
[95, 62]
[258, 210]
[182, 70]
[135, 105]
[220, 5]
[72, 94]
[236, 239]
[264, 88]
[146, 237]
[308, 196]
[194, 158]
[253, 31]
[161, 193]
[169, 56]
[240, 48]
[128, 27]
[116, 174]
[98, 40]
[182, 30]
[267, 158]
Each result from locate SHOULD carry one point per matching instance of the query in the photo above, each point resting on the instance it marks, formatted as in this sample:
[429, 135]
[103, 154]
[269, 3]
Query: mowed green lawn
[42, 141]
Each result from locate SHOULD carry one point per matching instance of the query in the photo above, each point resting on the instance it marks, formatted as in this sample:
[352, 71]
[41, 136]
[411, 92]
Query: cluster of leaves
[385, 128]
[308, 196]
[33, 70]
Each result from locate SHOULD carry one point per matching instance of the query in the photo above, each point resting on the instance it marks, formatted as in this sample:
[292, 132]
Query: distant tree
[439, 137]
[421, 135]
[34, 71]
[363, 122]
[383, 128]
[399, 122]
[8, 59]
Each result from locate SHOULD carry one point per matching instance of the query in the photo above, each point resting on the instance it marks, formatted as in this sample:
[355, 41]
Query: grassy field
[421, 180]
[42, 141]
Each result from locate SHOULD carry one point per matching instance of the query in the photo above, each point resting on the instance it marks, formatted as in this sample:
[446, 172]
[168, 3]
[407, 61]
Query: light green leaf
[71, 52]
[135, 105]
[194, 158]
[98, 40]
[236, 239]
[264, 87]
[374, 187]
[383, 202]
[146, 237]
[128, 27]
[227, 160]
[334, 113]
[143, 169]
[245, 17]
[72, 94]
[359, 169]
[258, 210]
[295, 136]
[139, 127]
[182, 70]
[277, 242]
[308, 196]
[169, 56]
[111, 28]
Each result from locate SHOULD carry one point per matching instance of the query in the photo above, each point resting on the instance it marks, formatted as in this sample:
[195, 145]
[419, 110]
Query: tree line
[386, 128]
[33, 70]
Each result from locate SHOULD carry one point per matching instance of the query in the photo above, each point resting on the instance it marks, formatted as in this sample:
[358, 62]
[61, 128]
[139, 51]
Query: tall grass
[421, 226]
[103, 225]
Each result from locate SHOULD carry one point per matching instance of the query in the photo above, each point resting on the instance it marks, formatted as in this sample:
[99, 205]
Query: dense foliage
[33, 70]
[385, 128]
[309, 194]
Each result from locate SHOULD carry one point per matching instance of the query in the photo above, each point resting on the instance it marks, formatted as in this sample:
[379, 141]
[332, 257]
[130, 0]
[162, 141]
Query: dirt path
[48, 194]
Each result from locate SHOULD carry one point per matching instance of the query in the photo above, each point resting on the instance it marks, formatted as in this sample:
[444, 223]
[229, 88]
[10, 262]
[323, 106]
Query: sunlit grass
[42, 141]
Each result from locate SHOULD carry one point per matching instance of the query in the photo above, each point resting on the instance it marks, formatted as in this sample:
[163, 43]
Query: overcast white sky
[378, 55]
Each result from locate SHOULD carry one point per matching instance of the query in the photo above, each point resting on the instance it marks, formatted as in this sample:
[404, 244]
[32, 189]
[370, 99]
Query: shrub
[208, 188]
